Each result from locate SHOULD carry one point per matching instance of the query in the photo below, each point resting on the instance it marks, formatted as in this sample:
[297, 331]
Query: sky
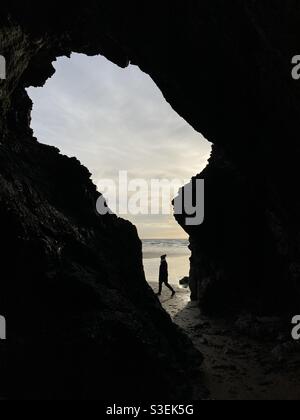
[114, 120]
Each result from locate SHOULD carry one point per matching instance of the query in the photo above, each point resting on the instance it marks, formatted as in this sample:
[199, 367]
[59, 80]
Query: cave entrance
[115, 120]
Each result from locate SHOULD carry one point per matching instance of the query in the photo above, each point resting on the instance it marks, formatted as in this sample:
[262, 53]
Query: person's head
[163, 258]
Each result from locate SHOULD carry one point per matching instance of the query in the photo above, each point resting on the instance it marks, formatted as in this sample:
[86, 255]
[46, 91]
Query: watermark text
[2, 67]
[2, 328]
[296, 329]
[150, 410]
[152, 197]
[296, 67]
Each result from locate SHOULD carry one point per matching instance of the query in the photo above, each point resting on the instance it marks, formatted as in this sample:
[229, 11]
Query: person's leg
[170, 287]
[160, 289]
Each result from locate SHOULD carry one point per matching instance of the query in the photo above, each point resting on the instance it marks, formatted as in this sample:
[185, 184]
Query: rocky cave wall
[82, 321]
[224, 66]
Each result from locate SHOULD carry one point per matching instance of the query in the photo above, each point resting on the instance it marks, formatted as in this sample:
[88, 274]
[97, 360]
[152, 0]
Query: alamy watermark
[296, 329]
[296, 319]
[296, 67]
[2, 67]
[152, 197]
[2, 328]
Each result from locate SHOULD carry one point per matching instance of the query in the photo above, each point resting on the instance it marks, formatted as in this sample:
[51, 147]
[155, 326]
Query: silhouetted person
[164, 276]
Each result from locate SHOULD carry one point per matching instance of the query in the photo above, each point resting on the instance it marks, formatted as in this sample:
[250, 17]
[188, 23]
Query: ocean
[178, 258]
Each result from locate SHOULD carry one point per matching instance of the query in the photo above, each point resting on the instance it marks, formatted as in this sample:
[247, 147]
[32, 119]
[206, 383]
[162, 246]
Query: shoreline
[236, 366]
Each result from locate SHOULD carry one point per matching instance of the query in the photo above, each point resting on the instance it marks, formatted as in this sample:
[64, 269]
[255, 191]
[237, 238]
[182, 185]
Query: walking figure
[164, 276]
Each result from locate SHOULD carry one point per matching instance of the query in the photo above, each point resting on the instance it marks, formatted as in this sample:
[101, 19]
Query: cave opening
[75, 293]
[116, 121]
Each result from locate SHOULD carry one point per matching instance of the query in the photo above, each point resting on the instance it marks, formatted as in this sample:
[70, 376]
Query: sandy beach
[238, 363]
[178, 258]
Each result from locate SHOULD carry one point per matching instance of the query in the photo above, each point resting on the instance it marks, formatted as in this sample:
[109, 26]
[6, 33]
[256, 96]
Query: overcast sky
[113, 119]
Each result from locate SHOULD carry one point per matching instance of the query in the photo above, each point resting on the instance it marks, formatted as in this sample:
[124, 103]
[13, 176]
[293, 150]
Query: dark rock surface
[82, 321]
[225, 66]
[245, 255]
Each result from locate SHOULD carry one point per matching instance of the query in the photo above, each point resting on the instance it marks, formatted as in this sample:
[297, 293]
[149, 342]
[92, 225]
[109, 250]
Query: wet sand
[236, 366]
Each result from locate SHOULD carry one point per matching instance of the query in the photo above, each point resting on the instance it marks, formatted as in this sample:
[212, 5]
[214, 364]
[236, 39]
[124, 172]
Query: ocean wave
[172, 247]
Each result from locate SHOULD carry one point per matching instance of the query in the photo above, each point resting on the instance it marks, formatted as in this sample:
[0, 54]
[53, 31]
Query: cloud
[113, 119]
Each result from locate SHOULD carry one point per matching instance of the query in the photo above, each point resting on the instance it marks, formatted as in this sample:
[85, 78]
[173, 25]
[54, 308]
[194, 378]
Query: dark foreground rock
[82, 321]
[3, 371]
[71, 280]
